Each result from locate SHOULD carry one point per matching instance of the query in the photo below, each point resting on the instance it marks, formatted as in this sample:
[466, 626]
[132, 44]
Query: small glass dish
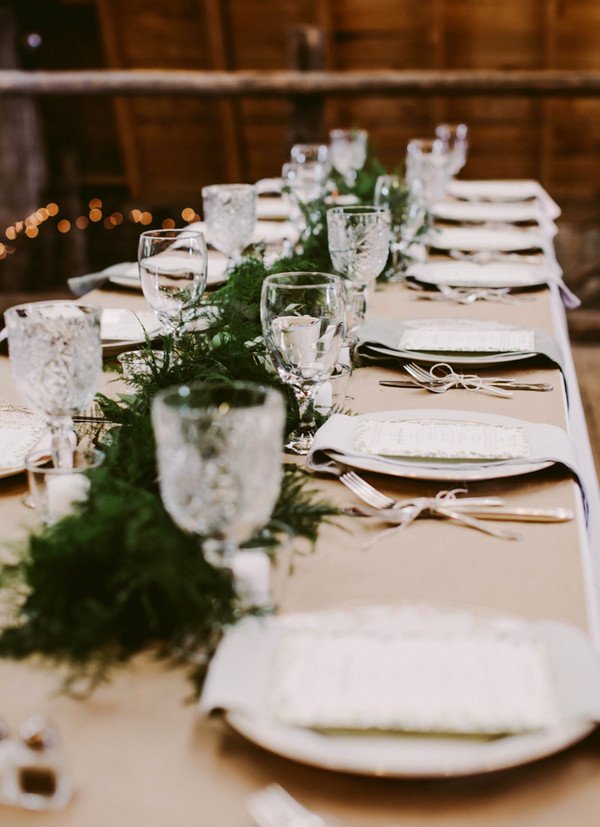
[55, 491]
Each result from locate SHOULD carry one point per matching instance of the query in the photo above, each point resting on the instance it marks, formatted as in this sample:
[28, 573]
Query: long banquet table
[139, 755]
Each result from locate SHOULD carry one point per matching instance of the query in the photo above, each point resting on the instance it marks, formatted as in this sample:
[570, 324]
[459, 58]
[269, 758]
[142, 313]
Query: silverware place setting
[442, 377]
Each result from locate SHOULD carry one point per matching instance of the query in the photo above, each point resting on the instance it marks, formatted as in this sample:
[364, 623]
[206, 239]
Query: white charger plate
[127, 274]
[424, 469]
[406, 756]
[410, 755]
[470, 274]
[456, 357]
[26, 421]
[481, 239]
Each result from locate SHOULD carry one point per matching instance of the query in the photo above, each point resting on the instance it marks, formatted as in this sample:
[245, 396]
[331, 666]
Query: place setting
[464, 341]
[356, 689]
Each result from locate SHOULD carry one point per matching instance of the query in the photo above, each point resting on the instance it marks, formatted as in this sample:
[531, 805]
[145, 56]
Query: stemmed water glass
[428, 162]
[56, 359]
[303, 182]
[219, 460]
[229, 217]
[407, 214]
[359, 241]
[348, 151]
[173, 267]
[311, 154]
[303, 320]
[454, 135]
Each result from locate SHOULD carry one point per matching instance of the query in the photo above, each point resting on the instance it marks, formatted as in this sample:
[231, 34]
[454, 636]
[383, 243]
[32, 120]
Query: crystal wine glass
[173, 267]
[454, 135]
[348, 151]
[407, 214]
[303, 183]
[56, 359]
[428, 162]
[219, 460]
[359, 241]
[310, 154]
[229, 216]
[302, 317]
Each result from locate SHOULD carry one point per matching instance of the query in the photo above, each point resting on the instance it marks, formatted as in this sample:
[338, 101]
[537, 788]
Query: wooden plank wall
[171, 148]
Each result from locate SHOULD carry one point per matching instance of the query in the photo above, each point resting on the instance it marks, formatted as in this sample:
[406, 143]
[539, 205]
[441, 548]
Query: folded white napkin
[405, 668]
[126, 326]
[341, 435]
[272, 207]
[492, 274]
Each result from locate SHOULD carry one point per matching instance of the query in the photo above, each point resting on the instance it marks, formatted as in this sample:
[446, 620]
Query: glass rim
[88, 309]
[340, 132]
[38, 455]
[357, 209]
[228, 187]
[327, 278]
[166, 233]
[174, 397]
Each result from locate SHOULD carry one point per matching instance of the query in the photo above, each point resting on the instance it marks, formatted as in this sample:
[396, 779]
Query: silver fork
[274, 807]
[377, 499]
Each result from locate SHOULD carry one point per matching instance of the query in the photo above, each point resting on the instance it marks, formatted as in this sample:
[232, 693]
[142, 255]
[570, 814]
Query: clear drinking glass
[359, 241]
[56, 359]
[173, 268]
[348, 151]
[303, 183]
[56, 490]
[454, 135]
[219, 460]
[303, 320]
[311, 154]
[407, 214]
[428, 162]
[229, 216]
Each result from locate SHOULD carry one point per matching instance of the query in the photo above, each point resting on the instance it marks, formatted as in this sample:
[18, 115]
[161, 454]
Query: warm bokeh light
[42, 214]
[117, 218]
[109, 223]
[135, 215]
[64, 226]
[188, 214]
[95, 204]
[11, 233]
[95, 214]
[52, 208]
[31, 232]
[146, 218]
[19, 226]
[81, 222]
[168, 224]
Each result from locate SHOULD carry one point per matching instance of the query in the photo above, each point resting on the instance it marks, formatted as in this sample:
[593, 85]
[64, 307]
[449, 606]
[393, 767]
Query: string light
[31, 225]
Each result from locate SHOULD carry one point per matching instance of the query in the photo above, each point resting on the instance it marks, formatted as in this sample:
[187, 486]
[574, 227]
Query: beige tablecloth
[140, 756]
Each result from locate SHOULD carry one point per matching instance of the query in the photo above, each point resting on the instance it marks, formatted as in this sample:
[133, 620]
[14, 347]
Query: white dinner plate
[504, 190]
[406, 756]
[481, 239]
[497, 274]
[135, 326]
[574, 671]
[31, 429]
[420, 471]
[127, 273]
[335, 443]
[272, 208]
[480, 213]
[455, 357]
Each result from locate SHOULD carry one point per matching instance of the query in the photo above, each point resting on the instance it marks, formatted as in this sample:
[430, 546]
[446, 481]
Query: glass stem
[63, 441]
[306, 404]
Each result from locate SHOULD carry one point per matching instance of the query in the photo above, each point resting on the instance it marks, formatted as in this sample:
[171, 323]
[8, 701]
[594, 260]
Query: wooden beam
[156, 82]
[228, 109]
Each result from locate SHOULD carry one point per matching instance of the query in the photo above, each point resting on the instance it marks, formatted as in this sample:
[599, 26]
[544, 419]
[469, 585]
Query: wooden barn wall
[170, 148]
